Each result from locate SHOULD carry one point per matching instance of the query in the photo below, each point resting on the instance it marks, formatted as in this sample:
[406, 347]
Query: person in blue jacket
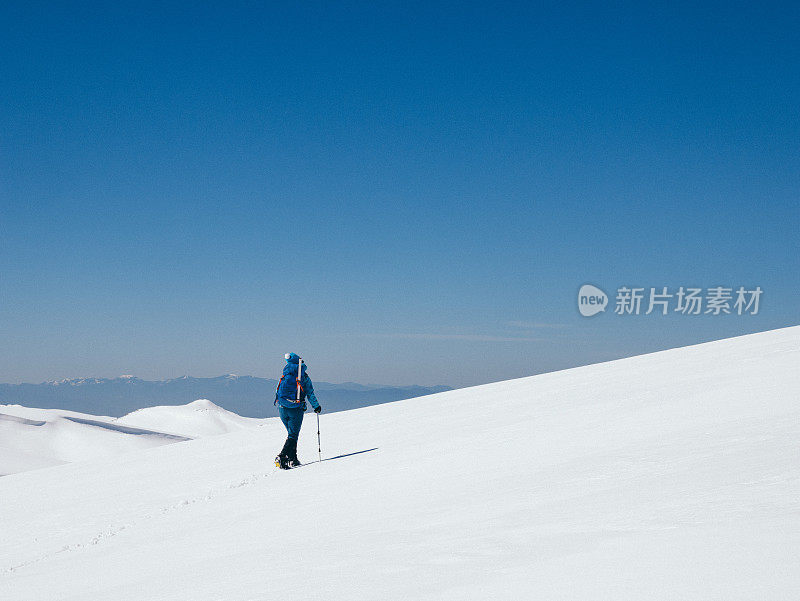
[291, 402]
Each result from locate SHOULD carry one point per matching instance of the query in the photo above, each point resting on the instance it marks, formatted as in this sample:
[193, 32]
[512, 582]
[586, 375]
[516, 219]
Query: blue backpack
[290, 387]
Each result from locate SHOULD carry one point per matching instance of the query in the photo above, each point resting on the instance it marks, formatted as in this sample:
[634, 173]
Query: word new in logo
[591, 300]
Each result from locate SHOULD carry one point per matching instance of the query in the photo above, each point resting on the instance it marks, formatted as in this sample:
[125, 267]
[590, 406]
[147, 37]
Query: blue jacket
[286, 393]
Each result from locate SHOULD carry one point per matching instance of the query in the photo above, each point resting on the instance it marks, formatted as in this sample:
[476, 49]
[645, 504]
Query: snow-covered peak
[76, 381]
[204, 405]
[87, 381]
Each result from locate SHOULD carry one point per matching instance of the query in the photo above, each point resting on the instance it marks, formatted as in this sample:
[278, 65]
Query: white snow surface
[674, 475]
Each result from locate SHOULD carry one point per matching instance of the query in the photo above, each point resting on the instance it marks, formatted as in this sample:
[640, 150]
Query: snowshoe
[282, 461]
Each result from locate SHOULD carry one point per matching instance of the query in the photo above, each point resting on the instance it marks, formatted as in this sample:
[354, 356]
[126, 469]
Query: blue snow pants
[292, 419]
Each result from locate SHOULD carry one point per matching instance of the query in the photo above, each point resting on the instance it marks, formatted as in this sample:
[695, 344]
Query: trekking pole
[319, 444]
[299, 378]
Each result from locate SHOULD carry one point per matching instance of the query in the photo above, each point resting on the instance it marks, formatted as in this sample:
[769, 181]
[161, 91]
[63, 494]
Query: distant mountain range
[246, 395]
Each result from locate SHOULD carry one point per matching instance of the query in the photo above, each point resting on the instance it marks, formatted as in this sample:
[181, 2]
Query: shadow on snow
[348, 455]
[337, 457]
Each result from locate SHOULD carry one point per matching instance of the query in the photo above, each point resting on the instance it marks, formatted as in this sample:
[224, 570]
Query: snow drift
[34, 438]
[197, 419]
[673, 475]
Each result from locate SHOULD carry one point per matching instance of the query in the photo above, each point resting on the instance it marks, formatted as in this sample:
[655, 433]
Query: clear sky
[400, 192]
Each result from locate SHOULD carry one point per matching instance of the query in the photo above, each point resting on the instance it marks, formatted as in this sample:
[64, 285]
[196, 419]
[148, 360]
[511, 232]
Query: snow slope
[674, 475]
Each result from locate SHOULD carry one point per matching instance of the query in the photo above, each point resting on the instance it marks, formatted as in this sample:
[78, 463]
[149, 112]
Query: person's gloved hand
[318, 409]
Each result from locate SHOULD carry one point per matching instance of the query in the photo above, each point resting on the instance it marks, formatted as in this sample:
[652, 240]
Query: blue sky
[400, 192]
